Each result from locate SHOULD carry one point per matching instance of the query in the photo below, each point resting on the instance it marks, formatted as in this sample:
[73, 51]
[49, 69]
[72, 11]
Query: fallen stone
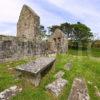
[79, 90]
[8, 93]
[68, 66]
[57, 86]
[60, 74]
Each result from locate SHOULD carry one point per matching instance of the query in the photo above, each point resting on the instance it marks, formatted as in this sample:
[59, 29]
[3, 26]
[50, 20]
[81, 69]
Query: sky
[51, 12]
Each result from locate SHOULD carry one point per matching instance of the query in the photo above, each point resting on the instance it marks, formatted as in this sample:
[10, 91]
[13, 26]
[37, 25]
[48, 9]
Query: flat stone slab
[8, 93]
[36, 66]
[60, 74]
[79, 90]
[33, 70]
[57, 86]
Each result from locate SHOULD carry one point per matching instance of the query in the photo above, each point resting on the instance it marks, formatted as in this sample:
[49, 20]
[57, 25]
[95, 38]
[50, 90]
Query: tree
[82, 34]
[42, 31]
[78, 33]
[52, 28]
[66, 28]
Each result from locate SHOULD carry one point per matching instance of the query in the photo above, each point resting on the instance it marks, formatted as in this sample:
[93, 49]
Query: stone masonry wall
[58, 42]
[15, 48]
[28, 23]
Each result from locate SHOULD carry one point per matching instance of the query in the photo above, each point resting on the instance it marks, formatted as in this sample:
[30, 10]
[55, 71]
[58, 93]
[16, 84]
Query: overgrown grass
[83, 66]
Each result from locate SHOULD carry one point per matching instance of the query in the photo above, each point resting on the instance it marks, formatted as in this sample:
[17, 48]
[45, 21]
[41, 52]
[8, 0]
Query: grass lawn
[84, 66]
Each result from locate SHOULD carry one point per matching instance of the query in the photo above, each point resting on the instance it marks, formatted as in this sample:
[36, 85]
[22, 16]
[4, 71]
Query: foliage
[82, 33]
[78, 33]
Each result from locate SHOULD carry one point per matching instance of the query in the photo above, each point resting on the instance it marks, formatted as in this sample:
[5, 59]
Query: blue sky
[51, 12]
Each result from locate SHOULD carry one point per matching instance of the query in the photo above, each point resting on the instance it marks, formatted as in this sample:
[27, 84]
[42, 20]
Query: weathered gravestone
[60, 74]
[79, 90]
[68, 66]
[33, 70]
[57, 86]
[8, 93]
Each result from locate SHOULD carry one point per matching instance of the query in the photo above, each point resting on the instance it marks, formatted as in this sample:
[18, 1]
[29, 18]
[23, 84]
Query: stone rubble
[79, 90]
[60, 74]
[8, 93]
[57, 86]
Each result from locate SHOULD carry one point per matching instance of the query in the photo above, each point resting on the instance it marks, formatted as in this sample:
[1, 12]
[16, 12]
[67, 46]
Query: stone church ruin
[58, 42]
[27, 41]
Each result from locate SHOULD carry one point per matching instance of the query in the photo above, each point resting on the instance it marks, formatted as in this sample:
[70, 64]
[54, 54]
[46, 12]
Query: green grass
[95, 52]
[84, 66]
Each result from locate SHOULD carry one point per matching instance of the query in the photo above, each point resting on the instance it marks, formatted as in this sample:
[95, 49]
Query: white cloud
[9, 13]
[9, 10]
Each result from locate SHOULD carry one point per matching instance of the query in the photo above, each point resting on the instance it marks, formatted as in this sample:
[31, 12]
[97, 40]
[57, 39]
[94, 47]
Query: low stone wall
[15, 48]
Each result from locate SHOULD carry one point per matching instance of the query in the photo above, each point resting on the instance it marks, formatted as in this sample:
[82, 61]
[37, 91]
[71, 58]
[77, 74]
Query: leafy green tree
[66, 28]
[82, 34]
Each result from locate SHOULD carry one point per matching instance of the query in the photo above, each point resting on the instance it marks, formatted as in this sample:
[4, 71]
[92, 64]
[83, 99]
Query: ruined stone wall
[28, 23]
[58, 42]
[27, 42]
[15, 48]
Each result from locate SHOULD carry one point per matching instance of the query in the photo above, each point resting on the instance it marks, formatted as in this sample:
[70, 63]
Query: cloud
[51, 12]
[9, 10]
[9, 13]
[87, 11]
